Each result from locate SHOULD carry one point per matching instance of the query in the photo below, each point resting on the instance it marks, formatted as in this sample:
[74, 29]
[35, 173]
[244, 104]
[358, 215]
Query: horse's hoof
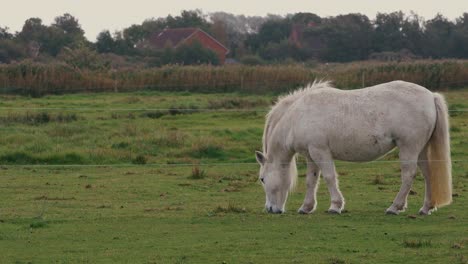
[302, 211]
[423, 212]
[427, 210]
[334, 211]
[391, 212]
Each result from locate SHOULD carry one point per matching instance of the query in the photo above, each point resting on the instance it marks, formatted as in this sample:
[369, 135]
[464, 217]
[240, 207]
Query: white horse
[323, 123]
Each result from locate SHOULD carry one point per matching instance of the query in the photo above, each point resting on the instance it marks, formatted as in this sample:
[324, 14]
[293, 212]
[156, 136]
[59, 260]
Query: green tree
[4, 34]
[271, 33]
[69, 24]
[343, 38]
[136, 33]
[104, 42]
[413, 34]
[33, 35]
[33, 30]
[438, 37]
[274, 31]
[281, 51]
[305, 18]
[388, 34]
[83, 58]
[190, 54]
[460, 40]
[188, 18]
[11, 50]
[64, 32]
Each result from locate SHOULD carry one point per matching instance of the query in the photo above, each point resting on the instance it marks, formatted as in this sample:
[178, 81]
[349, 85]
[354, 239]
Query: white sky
[98, 15]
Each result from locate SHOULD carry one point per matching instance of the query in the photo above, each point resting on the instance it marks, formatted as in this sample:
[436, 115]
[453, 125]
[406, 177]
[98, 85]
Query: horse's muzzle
[273, 210]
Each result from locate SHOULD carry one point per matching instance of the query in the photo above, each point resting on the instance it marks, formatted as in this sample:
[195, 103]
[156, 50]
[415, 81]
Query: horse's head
[277, 178]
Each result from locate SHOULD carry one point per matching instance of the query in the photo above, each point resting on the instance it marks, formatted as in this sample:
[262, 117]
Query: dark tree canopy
[5, 34]
[192, 54]
[299, 37]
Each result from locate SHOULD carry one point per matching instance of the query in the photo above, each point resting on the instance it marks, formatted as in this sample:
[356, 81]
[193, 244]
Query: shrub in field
[411, 243]
[140, 159]
[207, 148]
[38, 223]
[230, 103]
[153, 114]
[29, 118]
[25, 158]
[120, 145]
[252, 60]
[169, 139]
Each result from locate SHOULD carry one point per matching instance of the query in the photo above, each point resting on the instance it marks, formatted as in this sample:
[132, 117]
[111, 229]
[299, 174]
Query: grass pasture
[151, 177]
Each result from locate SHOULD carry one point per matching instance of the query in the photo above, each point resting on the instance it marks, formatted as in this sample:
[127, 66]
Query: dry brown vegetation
[39, 79]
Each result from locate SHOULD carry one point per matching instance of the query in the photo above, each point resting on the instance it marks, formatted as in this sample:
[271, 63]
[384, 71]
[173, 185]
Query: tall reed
[39, 79]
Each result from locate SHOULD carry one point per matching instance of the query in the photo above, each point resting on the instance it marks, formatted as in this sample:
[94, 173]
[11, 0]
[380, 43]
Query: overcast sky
[97, 15]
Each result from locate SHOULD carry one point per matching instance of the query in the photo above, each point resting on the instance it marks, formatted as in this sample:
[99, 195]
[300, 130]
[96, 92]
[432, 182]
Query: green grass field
[137, 178]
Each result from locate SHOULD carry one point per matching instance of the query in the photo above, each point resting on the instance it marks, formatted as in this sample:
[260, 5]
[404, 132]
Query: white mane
[277, 110]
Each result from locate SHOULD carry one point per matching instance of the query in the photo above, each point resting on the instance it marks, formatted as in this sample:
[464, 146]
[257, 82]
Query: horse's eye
[262, 180]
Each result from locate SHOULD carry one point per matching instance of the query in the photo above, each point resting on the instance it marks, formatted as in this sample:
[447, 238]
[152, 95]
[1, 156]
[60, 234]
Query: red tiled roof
[173, 36]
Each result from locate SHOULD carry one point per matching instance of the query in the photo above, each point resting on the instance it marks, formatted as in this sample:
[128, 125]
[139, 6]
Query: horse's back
[363, 124]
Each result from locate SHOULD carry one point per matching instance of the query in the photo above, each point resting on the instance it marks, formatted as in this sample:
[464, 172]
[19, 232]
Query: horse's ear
[260, 157]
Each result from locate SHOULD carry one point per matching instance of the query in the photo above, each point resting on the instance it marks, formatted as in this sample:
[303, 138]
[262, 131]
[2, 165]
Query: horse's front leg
[312, 180]
[408, 172]
[325, 162]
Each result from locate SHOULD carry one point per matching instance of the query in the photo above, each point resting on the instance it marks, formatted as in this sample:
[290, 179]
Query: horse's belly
[364, 149]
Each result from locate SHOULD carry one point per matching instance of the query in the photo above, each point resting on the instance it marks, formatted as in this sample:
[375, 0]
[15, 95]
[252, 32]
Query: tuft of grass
[40, 118]
[412, 243]
[140, 159]
[457, 245]
[230, 208]
[453, 109]
[153, 114]
[455, 129]
[120, 145]
[378, 180]
[207, 148]
[38, 223]
[170, 139]
[235, 103]
[336, 260]
[22, 158]
[208, 151]
[197, 173]
[462, 259]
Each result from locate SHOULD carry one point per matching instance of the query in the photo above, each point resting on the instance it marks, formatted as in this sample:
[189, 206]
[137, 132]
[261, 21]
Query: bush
[190, 54]
[252, 60]
[140, 159]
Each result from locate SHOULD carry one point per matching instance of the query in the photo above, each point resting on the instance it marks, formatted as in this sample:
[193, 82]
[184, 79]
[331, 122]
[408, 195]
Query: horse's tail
[438, 153]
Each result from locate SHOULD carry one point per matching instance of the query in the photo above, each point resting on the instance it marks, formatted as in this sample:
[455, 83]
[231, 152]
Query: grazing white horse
[323, 123]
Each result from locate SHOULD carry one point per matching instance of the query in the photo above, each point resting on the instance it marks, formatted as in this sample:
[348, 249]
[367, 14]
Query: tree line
[300, 37]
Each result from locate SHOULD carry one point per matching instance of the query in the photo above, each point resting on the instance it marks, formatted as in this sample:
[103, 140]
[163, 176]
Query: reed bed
[40, 79]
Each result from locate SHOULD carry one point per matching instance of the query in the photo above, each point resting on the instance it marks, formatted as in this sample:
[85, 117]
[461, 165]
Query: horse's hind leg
[312, 179]
[408, 165]
[423, 164]
[325, 162]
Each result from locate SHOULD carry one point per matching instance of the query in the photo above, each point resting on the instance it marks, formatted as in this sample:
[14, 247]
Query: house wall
[209, 43]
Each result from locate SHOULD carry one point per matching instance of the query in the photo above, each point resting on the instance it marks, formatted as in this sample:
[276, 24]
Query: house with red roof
[175, 37]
